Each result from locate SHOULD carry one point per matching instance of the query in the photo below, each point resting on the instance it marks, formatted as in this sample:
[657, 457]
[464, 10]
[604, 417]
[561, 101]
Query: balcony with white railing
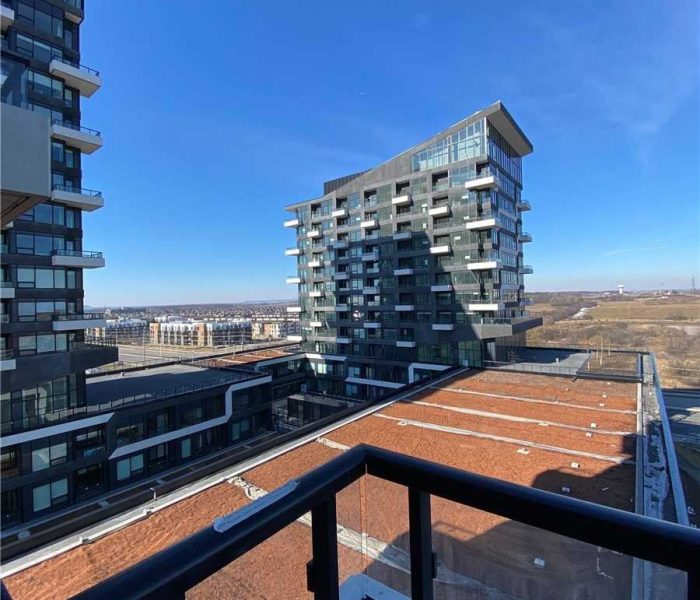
[403, 271]
[441, 249]
[369, 224]
[292, 222]
[314, 233]
[439, 211]
[293, 280]
[292, 252]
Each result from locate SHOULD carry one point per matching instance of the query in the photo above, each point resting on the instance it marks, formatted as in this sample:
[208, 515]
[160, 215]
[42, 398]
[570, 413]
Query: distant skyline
[208, 137]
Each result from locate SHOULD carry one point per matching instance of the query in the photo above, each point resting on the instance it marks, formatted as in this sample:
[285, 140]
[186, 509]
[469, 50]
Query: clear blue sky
[216, 115]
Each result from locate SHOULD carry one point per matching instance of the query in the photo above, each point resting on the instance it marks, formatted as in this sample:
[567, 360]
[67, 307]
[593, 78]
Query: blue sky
[216, 115]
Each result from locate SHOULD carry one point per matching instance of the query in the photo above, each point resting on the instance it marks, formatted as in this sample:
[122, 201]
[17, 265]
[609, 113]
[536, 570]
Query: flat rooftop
[574, 437]
[155, 380]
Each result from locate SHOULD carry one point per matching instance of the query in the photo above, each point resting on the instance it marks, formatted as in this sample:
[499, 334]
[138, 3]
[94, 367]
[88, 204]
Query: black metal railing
[79, 316]
[77, 190]
[74, 64]
[169, 573]
[75, 127]
[77, 253]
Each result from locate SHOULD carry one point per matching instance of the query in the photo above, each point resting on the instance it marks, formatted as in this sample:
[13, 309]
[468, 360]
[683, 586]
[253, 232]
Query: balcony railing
[77, 190]
[77, 253]
[170, 572]
[79, 317]
[75, 127]
[72, 63]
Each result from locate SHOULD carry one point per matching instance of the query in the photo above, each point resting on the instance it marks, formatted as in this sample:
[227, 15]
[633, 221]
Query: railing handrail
[71, 125]
[183, 565]
[79, 253]
[77, 65]
[78, 316]
[76, 190]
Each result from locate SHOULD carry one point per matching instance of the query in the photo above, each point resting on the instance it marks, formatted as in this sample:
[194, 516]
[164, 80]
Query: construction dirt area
[553, 433]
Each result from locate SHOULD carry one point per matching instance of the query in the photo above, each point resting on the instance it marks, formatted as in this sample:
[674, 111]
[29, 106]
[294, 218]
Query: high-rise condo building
[418, 263]
[44, 354]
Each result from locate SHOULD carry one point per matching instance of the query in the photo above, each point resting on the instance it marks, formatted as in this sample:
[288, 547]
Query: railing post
[325, 551]
[420, 529]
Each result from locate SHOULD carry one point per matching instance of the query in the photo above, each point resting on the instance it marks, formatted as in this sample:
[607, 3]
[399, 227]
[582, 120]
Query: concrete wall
[25, 162]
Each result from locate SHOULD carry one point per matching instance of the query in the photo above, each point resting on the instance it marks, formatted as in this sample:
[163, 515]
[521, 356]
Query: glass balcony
[71, 322]
[76, 197]
[82, 259]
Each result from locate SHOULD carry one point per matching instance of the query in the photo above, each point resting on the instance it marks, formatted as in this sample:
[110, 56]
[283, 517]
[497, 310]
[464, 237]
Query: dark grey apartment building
[68, 437]
[44, 354]
[416, 264]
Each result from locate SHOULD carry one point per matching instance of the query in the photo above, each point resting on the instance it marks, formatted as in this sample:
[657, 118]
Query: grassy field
[671, 308]
[668, 327]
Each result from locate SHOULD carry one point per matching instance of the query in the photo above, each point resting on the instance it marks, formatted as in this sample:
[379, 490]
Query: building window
[53, 454]
[50, 494]
[89, 442]
[88, 481]
[130, 467]
[9, 465]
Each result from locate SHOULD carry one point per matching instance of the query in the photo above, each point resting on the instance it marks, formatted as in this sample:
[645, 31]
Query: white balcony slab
[315, 263]
[484, 266]
[294, 338]
[340, 212]
[399, 200]
[341, 276]
[292, 252]
[341, 244]
[483, 306]
[489, 223]
[316, 323]
[294, 309]
[399, 272]
[444, 249]
[294, 280]
[369, 223]
[292, 223]
[314, 233]
[77, 200]
[72, 324]
[86, 83]
[447, 287]
[443, 326]
[316, 294]
[377, 382]
[405, 344]
[439, 211]
[371, 325]
[490, 181]
[85, 141]
[405, 308]
[78, 262]
[342, 340]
